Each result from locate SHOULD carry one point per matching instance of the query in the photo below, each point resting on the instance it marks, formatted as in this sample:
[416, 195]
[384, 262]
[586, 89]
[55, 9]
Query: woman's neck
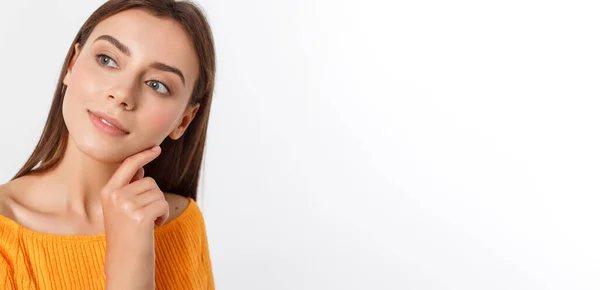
[73, 185]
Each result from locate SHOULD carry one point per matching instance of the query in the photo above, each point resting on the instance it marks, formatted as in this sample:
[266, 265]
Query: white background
[375, 144]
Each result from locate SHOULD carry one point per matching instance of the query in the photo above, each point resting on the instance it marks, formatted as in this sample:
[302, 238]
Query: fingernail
[155, 148]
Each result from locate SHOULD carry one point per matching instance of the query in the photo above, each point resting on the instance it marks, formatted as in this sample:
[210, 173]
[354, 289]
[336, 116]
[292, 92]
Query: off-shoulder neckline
[4, 220]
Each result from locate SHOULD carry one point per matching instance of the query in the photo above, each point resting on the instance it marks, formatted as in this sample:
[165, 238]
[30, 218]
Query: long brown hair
[177, 169]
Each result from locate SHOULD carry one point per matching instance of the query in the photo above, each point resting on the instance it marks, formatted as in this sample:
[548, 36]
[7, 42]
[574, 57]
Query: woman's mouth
[106, 124]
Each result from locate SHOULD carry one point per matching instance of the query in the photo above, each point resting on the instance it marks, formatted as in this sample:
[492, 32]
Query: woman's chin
[101, 150]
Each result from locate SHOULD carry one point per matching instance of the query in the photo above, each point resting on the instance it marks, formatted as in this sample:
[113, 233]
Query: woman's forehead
[149, 37]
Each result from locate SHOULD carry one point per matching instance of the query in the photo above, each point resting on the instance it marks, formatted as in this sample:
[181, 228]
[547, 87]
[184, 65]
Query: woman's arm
[127, 268]
[182, 249]
[133, 205]
[210, 283]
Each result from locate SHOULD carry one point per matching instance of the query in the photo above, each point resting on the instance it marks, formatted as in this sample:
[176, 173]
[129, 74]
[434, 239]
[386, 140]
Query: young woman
[107, 198]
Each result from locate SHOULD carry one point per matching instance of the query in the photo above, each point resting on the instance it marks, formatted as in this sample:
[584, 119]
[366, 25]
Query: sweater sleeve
[206, 262]
[7, 279]
[182, 253]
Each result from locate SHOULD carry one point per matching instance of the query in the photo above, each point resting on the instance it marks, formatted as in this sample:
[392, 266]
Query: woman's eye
[158, 86]
[106, 61]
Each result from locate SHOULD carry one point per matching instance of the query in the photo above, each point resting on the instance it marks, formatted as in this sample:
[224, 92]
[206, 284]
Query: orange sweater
[35, 260]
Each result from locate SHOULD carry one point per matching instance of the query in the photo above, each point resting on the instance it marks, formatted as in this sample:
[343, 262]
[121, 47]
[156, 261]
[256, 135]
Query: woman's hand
[132, 205]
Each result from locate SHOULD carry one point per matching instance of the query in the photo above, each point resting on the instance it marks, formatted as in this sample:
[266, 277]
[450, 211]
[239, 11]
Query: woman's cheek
[160, 123]
[85, 81]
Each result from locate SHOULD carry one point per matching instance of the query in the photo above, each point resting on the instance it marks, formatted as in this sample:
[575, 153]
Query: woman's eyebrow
[156, 65]
[168, 68]
[122, 47]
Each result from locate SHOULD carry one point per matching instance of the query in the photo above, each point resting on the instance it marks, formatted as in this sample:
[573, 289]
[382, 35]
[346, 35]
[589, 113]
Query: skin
[66, 199]
[99, 186]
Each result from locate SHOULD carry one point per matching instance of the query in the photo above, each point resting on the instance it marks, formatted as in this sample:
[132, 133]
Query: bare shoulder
[177, 204]
[5, 205]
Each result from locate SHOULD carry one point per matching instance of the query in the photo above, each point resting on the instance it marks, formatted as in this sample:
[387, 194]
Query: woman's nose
[127, 103]
[124, 96]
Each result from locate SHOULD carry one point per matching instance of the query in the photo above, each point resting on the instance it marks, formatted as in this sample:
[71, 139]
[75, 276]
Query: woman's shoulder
[177, 205]
[185, 221]
[11, 194]
[5, 201]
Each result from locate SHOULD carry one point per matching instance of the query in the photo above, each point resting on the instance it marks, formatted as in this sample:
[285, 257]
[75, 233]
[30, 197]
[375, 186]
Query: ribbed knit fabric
[35, 260]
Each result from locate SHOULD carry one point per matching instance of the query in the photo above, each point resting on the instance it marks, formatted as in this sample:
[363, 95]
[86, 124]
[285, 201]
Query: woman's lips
[114, 130]
[109, 119]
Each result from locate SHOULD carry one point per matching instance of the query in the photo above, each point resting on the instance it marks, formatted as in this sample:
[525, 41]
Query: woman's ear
[186, 119]
[70, 66]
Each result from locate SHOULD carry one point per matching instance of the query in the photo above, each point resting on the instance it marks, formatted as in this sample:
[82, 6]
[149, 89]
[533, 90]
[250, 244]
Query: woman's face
[137, 69]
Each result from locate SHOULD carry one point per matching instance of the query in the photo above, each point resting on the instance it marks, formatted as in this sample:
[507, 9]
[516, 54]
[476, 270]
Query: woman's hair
[177, 168]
